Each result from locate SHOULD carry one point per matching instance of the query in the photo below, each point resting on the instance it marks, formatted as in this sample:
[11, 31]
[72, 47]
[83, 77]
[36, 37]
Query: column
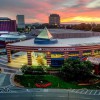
[48, 56]
[29, 58]
[80, 54]
[8, 53]
[65, 55]
[92, 52]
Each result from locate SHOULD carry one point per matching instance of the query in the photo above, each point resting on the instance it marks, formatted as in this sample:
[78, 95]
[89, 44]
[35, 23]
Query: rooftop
[62, 42]
[4, 18]
[11, 36]
[59, 31]
[1, 32]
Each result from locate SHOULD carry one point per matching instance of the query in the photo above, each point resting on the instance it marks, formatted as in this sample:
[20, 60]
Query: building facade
[68, 33]
[54, 19]
[56, 50]
[6, 24]
[20, 21]
[10, 38]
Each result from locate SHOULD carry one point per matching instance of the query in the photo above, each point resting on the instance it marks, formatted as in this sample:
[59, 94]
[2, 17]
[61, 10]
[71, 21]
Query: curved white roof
[9, 36]
[62, 42]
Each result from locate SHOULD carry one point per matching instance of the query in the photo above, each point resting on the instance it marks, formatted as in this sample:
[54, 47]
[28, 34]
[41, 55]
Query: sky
[70, 11]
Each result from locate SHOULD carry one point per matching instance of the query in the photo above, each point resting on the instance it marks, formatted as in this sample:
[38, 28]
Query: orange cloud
[39, 10]
[81, 19]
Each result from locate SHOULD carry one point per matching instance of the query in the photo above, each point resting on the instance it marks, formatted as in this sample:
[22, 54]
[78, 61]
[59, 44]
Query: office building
[20, 21]
[54, 19]
[6, 24]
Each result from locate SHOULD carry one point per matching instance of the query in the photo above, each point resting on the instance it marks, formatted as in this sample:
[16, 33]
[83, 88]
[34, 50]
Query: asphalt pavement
[47, 95]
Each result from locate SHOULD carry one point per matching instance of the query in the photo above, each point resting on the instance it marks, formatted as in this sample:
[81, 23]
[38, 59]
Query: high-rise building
[54, 19]
[6, 24]
[20, 21]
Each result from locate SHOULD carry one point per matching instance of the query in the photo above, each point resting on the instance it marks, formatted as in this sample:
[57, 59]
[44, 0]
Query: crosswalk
[85, 91]
[6, 90]
[18, 59]
[4, 65]
[77, 91]
[3, 60]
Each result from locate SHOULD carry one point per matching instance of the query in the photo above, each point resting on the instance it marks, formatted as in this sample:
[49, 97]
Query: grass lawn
[30, 80]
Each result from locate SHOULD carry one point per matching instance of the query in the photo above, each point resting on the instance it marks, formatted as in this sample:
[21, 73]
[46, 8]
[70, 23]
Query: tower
[54, 19]
[20, 21]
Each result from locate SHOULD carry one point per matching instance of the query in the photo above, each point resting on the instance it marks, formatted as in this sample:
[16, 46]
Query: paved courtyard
[19, 59]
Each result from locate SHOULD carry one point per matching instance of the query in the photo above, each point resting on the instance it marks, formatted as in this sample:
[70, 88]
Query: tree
[40, 61]
[76, 70]
[20, 30]
[32, 70]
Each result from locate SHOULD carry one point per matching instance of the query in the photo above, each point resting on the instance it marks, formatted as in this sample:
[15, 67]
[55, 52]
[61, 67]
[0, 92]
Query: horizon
[76, 11]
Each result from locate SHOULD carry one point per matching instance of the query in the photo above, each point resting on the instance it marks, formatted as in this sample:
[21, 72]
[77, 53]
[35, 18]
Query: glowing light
[81, 19]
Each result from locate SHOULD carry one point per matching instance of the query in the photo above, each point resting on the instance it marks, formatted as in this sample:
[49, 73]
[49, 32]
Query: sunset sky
[70, 11]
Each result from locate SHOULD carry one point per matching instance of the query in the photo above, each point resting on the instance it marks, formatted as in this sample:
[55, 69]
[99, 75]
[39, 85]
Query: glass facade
[73, 54]
[57, 55]
[8, 25]
[57, 59]
[97, 52]
[87, 53]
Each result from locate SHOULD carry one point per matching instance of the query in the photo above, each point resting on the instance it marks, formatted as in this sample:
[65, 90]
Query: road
[47, 94]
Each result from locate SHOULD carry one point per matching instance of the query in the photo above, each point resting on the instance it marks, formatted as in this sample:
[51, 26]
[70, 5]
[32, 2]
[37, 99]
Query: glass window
[73, 53]
[87, 53]
[57, 55]
[97, 52]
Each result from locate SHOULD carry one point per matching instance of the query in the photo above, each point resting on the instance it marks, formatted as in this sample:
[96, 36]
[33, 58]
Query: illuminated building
[57, 50]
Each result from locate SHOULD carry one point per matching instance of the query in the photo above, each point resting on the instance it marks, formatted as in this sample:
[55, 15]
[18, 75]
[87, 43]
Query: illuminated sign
[70, 49]
[56, 49]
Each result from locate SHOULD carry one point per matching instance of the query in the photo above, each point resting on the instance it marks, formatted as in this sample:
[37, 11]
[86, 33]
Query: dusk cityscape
[39, 10]
[50, 50]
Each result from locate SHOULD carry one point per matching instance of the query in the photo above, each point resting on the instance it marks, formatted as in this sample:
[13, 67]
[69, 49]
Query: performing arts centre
[59, 44]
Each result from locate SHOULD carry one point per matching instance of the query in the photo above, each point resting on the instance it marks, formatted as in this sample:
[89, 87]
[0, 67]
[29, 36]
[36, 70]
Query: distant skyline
[70, 11]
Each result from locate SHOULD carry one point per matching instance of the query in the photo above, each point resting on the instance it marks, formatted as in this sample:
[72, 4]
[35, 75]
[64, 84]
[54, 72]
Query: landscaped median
[46, 81]
[74, 74]
[39, 81]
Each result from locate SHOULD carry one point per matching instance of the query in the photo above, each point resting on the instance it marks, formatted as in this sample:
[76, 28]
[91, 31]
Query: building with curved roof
[10, 38]
[68, 33]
